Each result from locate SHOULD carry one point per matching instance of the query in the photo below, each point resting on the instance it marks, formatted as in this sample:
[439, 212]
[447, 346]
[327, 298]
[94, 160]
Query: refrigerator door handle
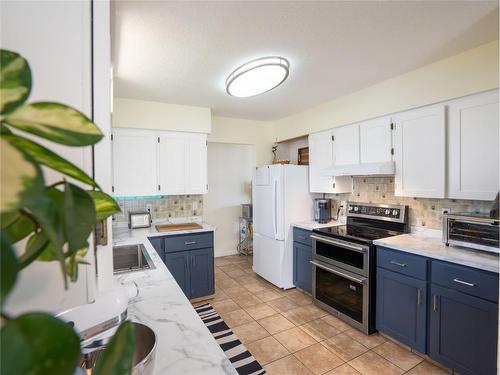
[275, 207]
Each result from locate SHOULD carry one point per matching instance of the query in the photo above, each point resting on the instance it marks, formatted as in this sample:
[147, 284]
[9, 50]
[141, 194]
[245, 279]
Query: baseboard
[225, 253]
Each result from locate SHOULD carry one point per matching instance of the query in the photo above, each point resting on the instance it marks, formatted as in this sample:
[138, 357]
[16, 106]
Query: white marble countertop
[185, 346]
[311, 224]
[432, 246]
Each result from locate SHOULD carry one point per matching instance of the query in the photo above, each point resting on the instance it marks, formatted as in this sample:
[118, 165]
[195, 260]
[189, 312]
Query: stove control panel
[375, 211]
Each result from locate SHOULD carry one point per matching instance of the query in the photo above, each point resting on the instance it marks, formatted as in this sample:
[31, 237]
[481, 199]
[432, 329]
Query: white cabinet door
[419, 151]
[321, 158]
[375, 138]
[134, 162]
[473, 147]
[346, 145]
[172, 163]
[196, 164]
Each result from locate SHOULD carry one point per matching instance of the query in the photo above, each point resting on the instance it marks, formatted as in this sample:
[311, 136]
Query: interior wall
[249, 132]
[141, 114]
[469, 72]
[289, 150]
[230, 169]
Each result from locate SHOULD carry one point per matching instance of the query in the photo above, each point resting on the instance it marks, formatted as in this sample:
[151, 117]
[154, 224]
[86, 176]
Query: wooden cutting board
[177, 227]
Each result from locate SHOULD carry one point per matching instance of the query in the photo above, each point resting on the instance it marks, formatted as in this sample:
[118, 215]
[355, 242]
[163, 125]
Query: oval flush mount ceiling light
[257, 76]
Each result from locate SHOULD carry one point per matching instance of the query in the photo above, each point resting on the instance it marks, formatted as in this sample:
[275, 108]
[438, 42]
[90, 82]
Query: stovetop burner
[359, 233]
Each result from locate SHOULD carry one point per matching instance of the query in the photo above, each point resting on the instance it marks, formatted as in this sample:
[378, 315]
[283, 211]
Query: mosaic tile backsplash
[424, 212]
[162, 207]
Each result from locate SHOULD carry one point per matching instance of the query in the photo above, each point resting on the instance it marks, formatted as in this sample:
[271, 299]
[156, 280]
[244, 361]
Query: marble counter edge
[310, 225]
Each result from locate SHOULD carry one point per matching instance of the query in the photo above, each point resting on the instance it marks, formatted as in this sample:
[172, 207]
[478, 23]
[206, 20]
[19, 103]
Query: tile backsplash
[424, 212]
[162, 207]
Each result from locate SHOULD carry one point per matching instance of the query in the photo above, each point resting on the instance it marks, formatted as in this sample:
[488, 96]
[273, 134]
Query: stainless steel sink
[144, 352]
[131, 258]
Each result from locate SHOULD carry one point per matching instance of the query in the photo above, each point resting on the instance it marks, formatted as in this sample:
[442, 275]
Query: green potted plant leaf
[55, 221]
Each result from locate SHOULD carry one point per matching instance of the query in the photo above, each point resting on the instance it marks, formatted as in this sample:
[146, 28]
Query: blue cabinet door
[401, 308]
[157, 243]
[302, 271]
[201, 269]
[178, 265]
[463, 331]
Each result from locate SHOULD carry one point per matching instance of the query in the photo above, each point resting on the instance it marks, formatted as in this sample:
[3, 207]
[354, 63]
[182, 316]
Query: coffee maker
[322, 210]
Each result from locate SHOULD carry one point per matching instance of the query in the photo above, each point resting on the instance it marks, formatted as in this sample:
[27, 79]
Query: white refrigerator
[280, 195]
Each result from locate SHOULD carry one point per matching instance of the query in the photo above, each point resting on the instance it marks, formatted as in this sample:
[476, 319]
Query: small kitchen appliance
[343, 261]
[322, 210]
[475, 231]
[139, 219]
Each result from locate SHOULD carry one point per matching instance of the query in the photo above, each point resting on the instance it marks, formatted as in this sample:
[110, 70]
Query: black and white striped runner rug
[240, 357]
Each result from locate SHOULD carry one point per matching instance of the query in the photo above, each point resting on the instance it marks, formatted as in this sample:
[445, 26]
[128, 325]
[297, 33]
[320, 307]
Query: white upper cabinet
[419, 151]
[375, 140]
[172, 163]
[148, 162]
[196, 164]
[321, 158]
[346, 145]
[135, 162]
[473, 147]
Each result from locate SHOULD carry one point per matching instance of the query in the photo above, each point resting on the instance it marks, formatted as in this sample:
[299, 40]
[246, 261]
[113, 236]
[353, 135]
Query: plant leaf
[7, 218]
[15, 81]
[37, 244]
[20, 228]
[55, 122]
[50, 159]
[9, 267]
[79, 217]
[118, 356]
[19, 177]
[105, 205]
[74, 261]
[38, 344]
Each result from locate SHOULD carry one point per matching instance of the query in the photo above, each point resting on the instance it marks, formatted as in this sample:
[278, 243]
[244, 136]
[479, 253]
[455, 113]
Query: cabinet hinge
[158, 139]
[392, 126]
[207, 187]
[392, 151]
[111, 136]
[333, 137]
[159, 187]
[112, 189]
[206, 143]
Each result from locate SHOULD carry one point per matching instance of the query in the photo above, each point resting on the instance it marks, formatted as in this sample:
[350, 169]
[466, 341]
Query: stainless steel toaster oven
[475, 231]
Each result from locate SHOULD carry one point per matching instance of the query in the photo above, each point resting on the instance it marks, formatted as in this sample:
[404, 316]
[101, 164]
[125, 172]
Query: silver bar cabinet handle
[463, 282]
[435, 303]
[189, 242]
[398, 264]
[419, 296]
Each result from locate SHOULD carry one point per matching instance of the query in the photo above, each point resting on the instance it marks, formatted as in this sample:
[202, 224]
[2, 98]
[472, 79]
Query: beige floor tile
[247, 299]
[222, 261]
[287, 366]
[236, 318]
[246, 265]
[230, 267]
[267, 350]
[235, 272]
[318, 359]
[283, 304]
[267, 295]
[250, 332]
[398, 355]
[245, 278]
[344, 346]
[303, 314]
[336, 322]
[255, 286]
[318, 310]
[370, 341]
[219, 274]
[319, 329]
[226, 284]
[299, 298]
[344, 370]
[219, 295]
[371, 363]
[276, 323]
[225, 306]
[235, 291]
[260, 311]
[426, 368]
[295, 339]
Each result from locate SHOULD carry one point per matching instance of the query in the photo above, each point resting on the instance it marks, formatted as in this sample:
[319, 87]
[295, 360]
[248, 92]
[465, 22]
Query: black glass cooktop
[358, 233]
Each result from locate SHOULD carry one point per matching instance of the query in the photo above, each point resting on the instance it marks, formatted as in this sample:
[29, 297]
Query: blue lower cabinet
[157, 243]
[401, 308]
[201, 272]
[463, 331]
[302, 270]
[178, 265]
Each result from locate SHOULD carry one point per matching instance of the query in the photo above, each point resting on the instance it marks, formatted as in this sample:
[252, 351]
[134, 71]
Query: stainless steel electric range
[343, 261]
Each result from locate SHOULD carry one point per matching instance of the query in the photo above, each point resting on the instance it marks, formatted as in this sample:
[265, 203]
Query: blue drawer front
[188, 242]
[302, 236]
[468, 280]
[401, 262]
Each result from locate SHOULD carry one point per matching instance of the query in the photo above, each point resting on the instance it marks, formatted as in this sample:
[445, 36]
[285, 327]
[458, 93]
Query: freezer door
[268, 218]
[268, 259]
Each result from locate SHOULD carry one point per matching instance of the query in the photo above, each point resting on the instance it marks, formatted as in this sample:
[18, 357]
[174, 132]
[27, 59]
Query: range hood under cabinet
[385, 168]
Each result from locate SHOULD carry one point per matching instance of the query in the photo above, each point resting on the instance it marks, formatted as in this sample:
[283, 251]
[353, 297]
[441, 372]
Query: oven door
[347, 255]
[342, 293]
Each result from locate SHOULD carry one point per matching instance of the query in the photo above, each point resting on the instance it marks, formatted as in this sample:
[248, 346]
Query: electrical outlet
[444, 210]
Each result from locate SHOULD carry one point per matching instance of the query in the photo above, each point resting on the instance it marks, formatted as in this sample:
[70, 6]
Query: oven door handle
[361, 281]
[359, 249]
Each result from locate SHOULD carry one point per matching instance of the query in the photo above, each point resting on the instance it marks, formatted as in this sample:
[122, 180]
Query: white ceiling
[182, 52]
